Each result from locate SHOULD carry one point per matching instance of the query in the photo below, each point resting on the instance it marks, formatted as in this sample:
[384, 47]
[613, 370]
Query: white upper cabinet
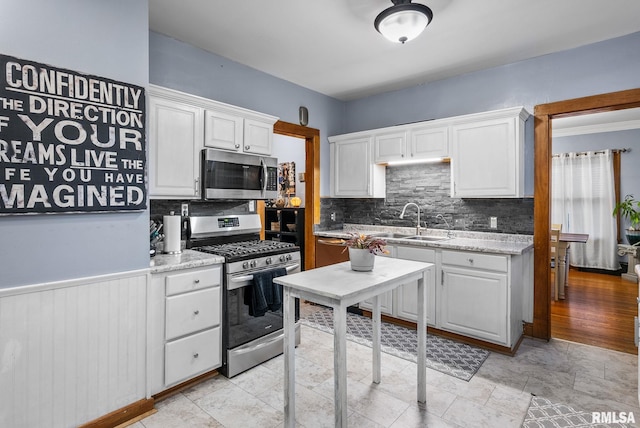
[353, 173]
[223, 131]
[181, 125]
[236, 132]
[175, 140]
[390, 146]
[428, 142]
[487, 159]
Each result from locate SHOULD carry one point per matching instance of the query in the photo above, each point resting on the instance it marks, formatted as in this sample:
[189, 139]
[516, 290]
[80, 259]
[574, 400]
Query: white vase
[361, 259]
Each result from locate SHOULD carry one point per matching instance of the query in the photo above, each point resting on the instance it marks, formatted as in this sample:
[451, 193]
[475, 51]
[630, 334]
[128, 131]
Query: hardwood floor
[598, 310]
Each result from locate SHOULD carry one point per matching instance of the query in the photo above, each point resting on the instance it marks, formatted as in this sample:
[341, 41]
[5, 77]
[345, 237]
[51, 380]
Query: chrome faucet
[418, 223]
[449, 233]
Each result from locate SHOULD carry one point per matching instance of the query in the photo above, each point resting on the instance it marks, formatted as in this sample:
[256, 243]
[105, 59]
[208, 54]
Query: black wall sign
[69, 142]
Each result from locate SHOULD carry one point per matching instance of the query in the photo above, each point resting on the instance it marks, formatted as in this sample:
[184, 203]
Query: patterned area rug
[447, 356]
[545, 413]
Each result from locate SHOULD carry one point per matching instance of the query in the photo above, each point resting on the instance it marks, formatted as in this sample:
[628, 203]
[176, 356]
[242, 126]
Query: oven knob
[245, 265]
[283, 258]
[253, 263]
[288, 257]
[268, 261]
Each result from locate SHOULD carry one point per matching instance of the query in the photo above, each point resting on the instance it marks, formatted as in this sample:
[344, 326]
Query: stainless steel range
[249, 337]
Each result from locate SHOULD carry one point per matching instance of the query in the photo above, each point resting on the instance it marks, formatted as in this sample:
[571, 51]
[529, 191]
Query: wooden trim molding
[543, 116]
[123, 415]
[312, 182]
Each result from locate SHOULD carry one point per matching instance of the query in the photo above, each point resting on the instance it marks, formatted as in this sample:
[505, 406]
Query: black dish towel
[264, 295]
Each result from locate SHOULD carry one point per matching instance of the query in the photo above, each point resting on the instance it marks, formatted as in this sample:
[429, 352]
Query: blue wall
[182, 67]
[607, 66]
[105, 38]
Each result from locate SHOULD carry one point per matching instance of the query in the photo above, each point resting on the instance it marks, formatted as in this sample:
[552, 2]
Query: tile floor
[584, 377]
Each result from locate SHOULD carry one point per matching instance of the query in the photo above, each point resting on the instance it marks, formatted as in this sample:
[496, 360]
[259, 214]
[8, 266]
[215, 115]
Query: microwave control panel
[272, 179]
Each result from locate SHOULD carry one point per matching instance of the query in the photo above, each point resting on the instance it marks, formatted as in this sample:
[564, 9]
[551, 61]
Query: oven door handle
[250, 277]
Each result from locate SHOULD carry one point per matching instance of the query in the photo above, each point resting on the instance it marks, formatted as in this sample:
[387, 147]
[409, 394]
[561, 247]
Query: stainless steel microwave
[227, 175]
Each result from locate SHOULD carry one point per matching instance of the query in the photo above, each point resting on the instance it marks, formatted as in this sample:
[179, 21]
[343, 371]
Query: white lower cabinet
[386, 299]
[403, 302]
[406, 295]
[474, 294]
[184, 337]
[475, 297]
[191, 355]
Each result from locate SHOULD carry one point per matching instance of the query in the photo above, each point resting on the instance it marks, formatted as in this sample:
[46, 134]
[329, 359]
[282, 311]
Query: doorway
[543, 115]
[311, 139]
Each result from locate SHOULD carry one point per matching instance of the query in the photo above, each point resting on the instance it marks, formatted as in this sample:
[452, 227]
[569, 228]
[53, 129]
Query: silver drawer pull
[195, 355]
[470, 261]
[196, 312]
[196, 281]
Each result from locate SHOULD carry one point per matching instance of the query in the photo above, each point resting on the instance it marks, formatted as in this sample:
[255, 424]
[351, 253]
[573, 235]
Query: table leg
[422, 339]
[375, 334]
[289, 359]
[340, 364]
[562, 268]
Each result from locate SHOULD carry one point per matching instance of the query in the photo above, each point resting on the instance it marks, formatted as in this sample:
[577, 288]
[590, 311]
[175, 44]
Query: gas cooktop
[233, 251]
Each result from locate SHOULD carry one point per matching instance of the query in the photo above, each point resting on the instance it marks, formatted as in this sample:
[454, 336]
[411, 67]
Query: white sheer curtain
[582, 200]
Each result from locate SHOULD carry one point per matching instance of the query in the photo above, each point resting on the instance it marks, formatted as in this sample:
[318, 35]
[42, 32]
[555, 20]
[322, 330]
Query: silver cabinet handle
[470, 261]
[196, 281]
[197, 186]
[195, 355]
[237, 146]
[247, 147]
[196, 312]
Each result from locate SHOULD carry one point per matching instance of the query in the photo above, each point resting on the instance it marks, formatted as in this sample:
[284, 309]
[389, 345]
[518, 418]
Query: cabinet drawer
[417, 254]
[475, 260]
[188, 313]
[192, 355]
[193, 280]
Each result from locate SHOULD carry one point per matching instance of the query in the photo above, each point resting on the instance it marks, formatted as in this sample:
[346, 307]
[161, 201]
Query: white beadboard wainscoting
[72, 351]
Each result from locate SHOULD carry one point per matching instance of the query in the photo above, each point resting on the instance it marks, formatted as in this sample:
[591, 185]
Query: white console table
[631, 251]
[338, 286]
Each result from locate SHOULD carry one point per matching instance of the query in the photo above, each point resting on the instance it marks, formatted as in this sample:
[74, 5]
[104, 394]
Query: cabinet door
[474, 303]
[175, 141]
[486, 159]
[406, 295]
[190, 312]
[223, 131]
[389, 147]
[258, 137]
[386, 299]
[353, 173]
[429, 142]
[192, 355]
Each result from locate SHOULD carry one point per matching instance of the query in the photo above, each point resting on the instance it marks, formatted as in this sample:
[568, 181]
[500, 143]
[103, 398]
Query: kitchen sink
[409, 236]
[392, 235]
[428, 238]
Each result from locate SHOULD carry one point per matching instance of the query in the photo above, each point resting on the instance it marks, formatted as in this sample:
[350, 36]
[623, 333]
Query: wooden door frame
[543, 114]
[311, 138]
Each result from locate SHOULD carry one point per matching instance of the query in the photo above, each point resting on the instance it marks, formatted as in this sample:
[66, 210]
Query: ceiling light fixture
[403, 21]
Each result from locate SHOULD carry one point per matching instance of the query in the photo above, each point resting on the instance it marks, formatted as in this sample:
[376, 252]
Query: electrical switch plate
[494, 223]
[185, 210]
[333, 216]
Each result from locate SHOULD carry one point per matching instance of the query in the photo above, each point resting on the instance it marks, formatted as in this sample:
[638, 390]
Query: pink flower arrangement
[374, 244]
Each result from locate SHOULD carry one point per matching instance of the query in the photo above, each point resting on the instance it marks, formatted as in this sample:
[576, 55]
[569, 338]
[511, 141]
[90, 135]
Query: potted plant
[363, 249]
[630, 209]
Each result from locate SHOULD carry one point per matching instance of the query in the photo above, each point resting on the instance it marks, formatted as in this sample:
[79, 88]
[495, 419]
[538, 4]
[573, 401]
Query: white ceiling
[330, 46]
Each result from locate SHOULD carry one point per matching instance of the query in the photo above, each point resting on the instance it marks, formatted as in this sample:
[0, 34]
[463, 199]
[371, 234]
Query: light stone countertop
[484, 242]
[187, 259]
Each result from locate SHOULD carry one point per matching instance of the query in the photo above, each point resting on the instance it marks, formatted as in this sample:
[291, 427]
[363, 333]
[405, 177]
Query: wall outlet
[185, 210]
[333, 216]
[493, 223]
